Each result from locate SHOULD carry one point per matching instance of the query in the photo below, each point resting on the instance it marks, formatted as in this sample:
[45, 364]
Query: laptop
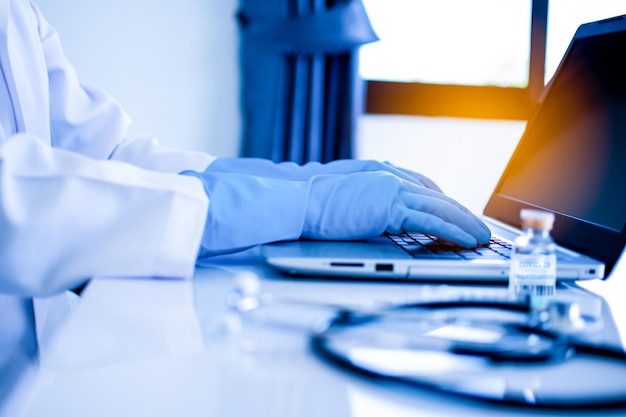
[571, 160]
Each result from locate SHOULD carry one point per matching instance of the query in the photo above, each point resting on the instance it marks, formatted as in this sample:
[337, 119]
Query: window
[428, 41]
[460, 58]
[564, 17]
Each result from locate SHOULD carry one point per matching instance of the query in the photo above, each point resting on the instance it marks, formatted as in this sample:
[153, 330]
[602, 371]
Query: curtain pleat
[299, 78]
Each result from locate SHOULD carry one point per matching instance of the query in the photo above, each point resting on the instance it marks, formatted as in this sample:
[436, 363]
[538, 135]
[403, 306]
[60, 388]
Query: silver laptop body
[571, 160]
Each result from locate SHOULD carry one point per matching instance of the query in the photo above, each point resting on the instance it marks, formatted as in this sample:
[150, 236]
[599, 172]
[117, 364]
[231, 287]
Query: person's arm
[66, 218]
[248, 210]
[68, 210]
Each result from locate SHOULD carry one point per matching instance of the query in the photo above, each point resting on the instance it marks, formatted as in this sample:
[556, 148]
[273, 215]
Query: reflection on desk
[158, 348]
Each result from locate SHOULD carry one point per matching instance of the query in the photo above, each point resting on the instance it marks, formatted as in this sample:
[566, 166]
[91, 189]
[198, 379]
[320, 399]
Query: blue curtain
[301, 94]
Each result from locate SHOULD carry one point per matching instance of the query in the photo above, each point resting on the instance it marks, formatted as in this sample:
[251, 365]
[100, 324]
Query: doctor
[79, 198]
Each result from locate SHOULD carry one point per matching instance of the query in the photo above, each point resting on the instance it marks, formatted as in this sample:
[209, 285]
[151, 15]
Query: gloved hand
[367, 204]
[292, 171]
[246, 210]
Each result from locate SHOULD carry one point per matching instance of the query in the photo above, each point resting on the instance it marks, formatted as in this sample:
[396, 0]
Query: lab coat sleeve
[86, 120]
[65, 218]
[147, 153]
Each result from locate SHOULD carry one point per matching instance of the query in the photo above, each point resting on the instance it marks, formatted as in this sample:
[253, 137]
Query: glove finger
[428, 223]
[413, 176]
[422, 193]
[416, 181]
[449, 211]
[388, 168]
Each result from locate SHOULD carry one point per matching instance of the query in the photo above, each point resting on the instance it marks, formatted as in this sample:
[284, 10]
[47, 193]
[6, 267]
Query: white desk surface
[158, 348]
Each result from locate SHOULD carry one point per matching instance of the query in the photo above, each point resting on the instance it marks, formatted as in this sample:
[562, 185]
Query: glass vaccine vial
[533, 259]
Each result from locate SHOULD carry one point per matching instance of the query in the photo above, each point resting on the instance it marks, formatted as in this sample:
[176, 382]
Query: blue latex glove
[367, 204]
[292, 171]
[247, 210]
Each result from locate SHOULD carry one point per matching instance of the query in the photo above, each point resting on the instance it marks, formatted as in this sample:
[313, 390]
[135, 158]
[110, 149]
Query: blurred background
[175, 68]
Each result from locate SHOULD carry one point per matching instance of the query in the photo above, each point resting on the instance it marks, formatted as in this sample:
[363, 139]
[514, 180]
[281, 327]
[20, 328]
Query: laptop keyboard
[422, 245]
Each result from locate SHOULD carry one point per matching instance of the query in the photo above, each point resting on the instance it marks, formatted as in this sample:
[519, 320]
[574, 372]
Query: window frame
[469, 101]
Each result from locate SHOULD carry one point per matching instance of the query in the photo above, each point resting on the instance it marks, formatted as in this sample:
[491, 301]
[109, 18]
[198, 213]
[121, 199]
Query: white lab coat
[78, 198]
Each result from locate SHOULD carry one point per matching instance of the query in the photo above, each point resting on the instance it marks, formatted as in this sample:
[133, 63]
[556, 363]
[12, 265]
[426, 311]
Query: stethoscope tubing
[564, 348]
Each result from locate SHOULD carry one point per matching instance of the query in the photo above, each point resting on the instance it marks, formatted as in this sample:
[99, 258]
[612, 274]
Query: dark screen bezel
[601, 243]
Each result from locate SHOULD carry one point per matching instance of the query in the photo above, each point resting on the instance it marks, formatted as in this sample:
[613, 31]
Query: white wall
[172, 64]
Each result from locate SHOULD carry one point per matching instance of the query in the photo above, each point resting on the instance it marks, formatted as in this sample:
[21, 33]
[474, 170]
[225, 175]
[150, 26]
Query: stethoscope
[498, 350]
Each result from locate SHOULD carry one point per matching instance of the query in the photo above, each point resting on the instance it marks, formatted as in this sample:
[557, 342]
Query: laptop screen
[571, 159]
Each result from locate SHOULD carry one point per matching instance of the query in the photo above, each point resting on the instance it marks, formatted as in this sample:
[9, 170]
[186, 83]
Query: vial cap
[537, 219]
